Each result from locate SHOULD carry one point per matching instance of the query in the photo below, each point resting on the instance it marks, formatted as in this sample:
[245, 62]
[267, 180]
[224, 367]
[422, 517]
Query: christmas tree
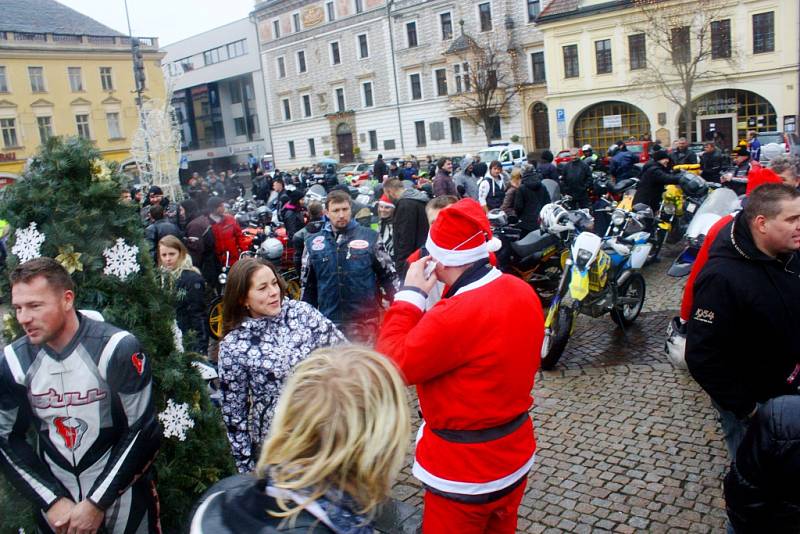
[67, 206]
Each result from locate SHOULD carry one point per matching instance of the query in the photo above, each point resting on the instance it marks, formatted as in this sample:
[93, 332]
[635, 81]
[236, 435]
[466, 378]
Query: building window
[336, 58]
[537, 67]
[373, 140]
[764, 32]
[8, 126]
[534, 7]
[114, 131]
[493, 127]
[461, 75]
[485, 15]
[330, 9]
[720, 39]
[359, 5]
[681, 45]
[363, 46]
[276, 29]
[82, 124]
[590, 124]
[446, 22]
[637, 51]
[292, 154]
[287, 109]
[411, 34]
[281, 67]
[36, 74]
[571, 61]
[236, 49]
[416, 86]
[455, 130]
[75, 79]
[301, 61]
[419, 127]
[340, 103]
[210, 57]
[45, 125]
[441, 82]
[106, 81]
[306, 105]
[3, 80]
[240, 125]
[296, 22]
[602, 55]
[312, 147]
[368, 101]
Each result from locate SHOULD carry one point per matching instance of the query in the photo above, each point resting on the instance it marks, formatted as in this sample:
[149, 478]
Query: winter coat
[508, 200]
[742, 345]
[228, 240]
[341, 273]
[491, 192]
[466, 182]
[651, 186]
[761, 487]
[529, 200]
[548, 170]
[199, 241]
[298, 241]
[255, 359]
[712, 165]
[293, 220]
[157, 230]
[408, 174]
[277, 200]
[380, 169]
[576, 182]
[330, 180]
[385, 229]
[683, 157]
[410, 227]
[443, 185]
[262, 186]
[190, 309]
[623, 165]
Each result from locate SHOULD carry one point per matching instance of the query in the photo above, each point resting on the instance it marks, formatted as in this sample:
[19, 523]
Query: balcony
[59, 41]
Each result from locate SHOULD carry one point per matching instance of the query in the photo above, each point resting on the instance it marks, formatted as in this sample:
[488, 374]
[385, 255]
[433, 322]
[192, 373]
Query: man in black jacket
[742, 345]
[576, 180]
[410, 229]
[530, 198]
[160, 227]
[682, 155]
[379, 169]
[711, 162]
[655, 175]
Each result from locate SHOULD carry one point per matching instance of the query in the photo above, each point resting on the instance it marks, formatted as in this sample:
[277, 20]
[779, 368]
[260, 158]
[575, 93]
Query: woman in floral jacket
[266, 336]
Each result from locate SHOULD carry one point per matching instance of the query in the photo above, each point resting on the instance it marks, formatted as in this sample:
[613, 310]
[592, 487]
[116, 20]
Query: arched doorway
[344, 142]
[541, 126]
[605, 123]
[725, 116]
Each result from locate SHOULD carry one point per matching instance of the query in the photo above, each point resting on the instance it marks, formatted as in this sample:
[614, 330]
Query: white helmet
[272, 248]
[586, 147]
[497, 218]
[675, 346]
[554, 218]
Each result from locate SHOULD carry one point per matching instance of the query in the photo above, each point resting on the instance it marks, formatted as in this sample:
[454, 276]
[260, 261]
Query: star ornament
[28, 243]
[69, 259]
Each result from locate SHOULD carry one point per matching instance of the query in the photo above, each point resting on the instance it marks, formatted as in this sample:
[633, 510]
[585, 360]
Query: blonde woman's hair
[516, 176]
[342, 422]
[184, 260]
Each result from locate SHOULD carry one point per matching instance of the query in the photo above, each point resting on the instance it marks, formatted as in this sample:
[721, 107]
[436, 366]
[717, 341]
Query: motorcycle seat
[532, 243]
[621, 186]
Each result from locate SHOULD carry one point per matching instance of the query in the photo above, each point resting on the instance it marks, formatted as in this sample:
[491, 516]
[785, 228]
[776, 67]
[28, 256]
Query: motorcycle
[719, 202]
[600, 276]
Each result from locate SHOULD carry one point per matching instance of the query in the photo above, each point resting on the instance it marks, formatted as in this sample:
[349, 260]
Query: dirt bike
[600, 276]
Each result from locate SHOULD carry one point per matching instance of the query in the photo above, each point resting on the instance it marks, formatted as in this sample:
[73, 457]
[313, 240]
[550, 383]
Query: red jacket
[228, 237]
[699, 262]
[472, 378]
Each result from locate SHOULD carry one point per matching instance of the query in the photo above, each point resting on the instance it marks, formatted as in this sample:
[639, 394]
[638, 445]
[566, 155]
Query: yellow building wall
[62, 104]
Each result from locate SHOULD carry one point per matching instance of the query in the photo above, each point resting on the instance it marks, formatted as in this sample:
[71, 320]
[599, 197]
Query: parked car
[641, 149]
[509, 154]
[774, 143]
[352, 169]
[563, 156]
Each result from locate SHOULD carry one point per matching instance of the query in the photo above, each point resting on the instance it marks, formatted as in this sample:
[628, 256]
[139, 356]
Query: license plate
[691, 207]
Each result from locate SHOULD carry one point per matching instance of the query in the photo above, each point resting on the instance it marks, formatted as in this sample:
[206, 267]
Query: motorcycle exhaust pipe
[623, 277]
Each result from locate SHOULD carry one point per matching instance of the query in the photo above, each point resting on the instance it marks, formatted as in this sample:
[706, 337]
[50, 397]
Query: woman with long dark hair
[266, 335]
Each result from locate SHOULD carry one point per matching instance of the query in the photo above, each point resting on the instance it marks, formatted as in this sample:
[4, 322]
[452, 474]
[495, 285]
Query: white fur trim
[489, 277]
[412, 297]
[456, 258]
[470, 488]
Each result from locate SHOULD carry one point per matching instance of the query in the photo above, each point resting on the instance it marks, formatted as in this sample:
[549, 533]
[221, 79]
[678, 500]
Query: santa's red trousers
[444, 516]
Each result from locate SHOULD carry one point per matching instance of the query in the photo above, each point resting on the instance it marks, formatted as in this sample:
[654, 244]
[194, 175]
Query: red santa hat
[461, 234]
[385, 202]
[760, 176]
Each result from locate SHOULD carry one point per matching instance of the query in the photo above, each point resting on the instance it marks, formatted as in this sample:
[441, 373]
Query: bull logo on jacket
[71, 429]
[138, 362]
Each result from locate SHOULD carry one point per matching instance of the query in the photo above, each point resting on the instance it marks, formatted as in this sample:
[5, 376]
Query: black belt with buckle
[484, 435]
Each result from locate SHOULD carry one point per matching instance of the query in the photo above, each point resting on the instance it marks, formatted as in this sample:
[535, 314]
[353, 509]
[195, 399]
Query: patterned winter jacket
[255, 360]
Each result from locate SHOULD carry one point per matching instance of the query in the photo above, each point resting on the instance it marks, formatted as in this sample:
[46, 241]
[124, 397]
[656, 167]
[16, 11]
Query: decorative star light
[175, 420]
[28, 243]
[121, 260]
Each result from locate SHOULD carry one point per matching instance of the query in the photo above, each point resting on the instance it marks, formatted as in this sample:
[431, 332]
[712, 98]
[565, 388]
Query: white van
[509, 154]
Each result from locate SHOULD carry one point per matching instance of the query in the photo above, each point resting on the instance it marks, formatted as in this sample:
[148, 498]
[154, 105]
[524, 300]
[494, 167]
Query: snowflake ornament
[121, 260]
[175, 420]
[28, 243]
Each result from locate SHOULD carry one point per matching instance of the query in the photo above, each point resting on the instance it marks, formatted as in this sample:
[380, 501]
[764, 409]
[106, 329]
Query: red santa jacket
[228, 237]
[473, 358]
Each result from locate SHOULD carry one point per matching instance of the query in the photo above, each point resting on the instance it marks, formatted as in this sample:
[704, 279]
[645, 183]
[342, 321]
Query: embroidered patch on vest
[318, 243]
[359, 244]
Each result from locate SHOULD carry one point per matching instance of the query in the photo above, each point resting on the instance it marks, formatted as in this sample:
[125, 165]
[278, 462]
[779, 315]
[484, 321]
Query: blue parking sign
[561, 116]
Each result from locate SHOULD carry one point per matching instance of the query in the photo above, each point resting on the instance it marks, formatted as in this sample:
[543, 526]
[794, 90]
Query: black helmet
[692, 184]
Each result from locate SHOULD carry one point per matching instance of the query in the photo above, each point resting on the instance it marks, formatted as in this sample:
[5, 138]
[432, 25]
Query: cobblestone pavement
[626, 443]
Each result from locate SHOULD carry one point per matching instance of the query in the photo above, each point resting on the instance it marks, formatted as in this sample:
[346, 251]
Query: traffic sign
[561, 115]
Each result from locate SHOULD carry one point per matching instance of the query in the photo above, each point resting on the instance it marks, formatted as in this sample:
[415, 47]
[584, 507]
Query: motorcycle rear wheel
[554, 343]
[214, 318]
[625, 314]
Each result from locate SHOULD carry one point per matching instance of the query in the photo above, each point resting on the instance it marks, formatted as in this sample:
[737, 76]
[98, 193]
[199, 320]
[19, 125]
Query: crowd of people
[318, 427]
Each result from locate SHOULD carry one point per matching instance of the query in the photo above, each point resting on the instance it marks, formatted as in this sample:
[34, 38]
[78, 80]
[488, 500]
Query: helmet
[675, 346]
[586, 147]
[554, 218]
[242, 218]
[692, 184]
[271, 248]
[497, 218]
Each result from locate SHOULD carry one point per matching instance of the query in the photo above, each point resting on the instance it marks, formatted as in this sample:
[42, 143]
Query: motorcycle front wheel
[214, 318]
[633, 292]
[556, 340]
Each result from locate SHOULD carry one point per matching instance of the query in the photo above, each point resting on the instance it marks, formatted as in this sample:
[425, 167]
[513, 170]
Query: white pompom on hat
[461, 234]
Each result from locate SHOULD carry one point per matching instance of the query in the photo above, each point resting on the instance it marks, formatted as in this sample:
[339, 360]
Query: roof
[461, 44]
[48, 16]
[561, 9]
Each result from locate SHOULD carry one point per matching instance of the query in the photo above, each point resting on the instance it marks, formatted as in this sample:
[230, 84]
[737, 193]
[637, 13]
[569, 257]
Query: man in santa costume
[473, 357]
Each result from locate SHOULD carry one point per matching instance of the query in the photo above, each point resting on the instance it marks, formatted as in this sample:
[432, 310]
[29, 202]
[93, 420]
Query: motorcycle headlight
[618, 218]
[669, 208]
[583, 258]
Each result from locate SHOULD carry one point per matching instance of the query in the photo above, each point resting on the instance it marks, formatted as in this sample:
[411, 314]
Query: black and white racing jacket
[255, 360]
[92, 408]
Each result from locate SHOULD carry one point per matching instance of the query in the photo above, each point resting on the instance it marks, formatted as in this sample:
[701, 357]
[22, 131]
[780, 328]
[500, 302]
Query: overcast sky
[169, 20]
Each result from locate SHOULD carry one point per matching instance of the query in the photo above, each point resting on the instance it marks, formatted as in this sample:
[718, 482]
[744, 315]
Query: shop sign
[612, 121]
[717, 105]
[790, 124]
[8, 156]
